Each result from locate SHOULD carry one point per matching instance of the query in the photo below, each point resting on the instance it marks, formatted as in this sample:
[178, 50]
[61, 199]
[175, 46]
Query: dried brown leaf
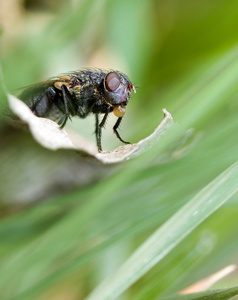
[49, 135]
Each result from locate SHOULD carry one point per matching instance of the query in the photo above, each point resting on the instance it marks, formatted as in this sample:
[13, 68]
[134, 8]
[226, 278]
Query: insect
[79, 94]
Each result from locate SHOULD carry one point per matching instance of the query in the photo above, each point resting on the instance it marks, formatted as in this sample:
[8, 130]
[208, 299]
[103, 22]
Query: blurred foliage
[67, 222]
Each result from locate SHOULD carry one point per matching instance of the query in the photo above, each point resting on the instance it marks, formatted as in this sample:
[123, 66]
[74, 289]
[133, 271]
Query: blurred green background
[68, 222]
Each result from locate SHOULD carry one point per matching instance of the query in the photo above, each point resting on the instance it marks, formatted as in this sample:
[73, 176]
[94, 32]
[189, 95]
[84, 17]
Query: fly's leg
[67, 98]
[116, 132]
[98, 140]
[63, 121]
[99, 130]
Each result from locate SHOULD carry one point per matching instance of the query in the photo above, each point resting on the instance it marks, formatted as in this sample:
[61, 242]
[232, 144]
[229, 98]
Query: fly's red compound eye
[112, 81]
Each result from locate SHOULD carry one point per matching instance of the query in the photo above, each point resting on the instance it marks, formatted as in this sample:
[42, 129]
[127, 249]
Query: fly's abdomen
[43, 104]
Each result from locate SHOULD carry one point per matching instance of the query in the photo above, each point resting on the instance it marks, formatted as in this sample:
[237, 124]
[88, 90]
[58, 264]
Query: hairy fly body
[79, 94]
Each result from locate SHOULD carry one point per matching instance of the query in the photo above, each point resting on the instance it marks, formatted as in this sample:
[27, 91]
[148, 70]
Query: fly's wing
[37, 98]
[45, 98]
[31, 93]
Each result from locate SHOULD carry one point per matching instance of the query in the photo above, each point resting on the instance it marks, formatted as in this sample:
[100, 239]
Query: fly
[79, 94]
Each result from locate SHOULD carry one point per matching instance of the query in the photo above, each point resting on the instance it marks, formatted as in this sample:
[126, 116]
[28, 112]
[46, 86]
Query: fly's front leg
[99, 130]
[116, 132]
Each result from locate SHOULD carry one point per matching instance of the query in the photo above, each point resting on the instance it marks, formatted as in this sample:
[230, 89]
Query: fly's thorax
[75, 90]
[85, 84]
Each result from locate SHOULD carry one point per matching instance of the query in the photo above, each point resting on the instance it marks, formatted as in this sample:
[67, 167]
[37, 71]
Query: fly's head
[117, 91]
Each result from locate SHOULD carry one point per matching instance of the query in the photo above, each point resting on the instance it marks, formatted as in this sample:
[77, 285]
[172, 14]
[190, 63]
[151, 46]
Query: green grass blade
[220, 294]
[170, 234]
[3, 97]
